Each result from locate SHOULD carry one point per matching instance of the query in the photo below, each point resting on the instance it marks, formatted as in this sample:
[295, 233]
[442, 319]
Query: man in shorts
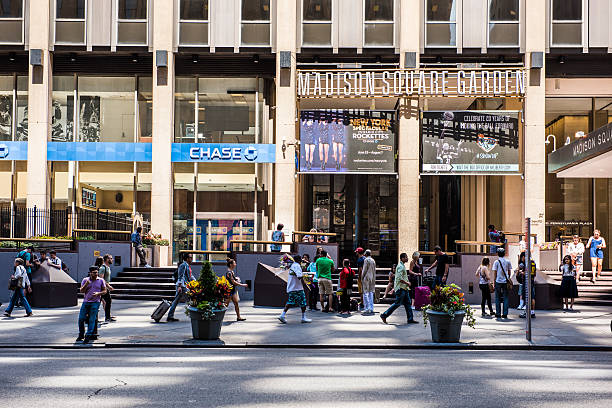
[295, 290]
[325, 266]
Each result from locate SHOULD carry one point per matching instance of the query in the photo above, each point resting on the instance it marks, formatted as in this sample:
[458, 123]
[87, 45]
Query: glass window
[62, 109]
[7, 84]
[70, 9]
[132, 9]
[378, 25]
[441, 30]
[316, 25]
[11, 21]
[566, 23]
[145, 109]
[8, 129]
[504, 23]
[193, 23]
[255, 29]
[22, 108]
[132, 22]
[184, 110]
[106, 109]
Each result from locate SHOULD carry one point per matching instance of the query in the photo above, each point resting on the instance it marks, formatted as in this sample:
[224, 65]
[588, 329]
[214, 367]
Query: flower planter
[444, 328]
[206, 329]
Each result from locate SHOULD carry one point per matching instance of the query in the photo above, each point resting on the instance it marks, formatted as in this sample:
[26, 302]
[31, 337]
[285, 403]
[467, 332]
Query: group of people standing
[576, 249]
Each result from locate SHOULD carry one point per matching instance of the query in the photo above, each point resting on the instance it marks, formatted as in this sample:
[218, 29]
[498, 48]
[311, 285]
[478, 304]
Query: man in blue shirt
[137, 243]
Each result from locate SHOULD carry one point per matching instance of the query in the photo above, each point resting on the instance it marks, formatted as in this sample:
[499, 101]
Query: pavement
[588, 326]
[301, 378]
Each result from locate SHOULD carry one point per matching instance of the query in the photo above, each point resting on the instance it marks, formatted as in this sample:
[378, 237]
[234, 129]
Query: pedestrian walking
[402, 296]
[105, 273]
[325, 266]
[295, 290]
[278, 236]
[442, 265]
[346, 287]
[569, 289]
[235, 282]
[184, 277]
[596, 245]
[485, 285]
[93, 287]
[502, 269]
[136, 239]
[415, 271]
[576, 250]
[27, 256]
[368, 283]
[19, 282]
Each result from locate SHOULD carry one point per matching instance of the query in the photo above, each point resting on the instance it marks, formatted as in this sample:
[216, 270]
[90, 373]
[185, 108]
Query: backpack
[22, 255]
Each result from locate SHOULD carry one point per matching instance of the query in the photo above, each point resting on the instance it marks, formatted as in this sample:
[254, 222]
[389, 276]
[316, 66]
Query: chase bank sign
[223, 153]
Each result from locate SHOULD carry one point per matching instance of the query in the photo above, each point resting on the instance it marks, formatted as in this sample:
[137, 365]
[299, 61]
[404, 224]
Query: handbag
[15, 283]
[509, 284]
[491, 287]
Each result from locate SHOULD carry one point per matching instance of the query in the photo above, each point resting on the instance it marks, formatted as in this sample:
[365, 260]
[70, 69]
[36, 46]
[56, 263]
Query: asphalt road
[301, 378]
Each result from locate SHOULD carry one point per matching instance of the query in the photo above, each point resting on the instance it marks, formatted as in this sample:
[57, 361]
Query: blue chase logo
[4, 150]
[250, 153]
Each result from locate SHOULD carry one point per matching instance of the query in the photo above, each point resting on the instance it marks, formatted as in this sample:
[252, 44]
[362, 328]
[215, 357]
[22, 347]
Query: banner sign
[342, 141]
[223, 152]
[477, 142]
[13, 150]
[595, 143]
[411, 83]
[99, 151]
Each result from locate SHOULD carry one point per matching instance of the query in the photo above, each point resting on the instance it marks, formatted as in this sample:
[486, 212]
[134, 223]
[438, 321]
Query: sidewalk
[590, 325]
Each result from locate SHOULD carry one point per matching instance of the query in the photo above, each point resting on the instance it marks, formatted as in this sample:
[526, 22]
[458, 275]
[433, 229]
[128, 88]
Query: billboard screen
[463, 142]
[347, 141]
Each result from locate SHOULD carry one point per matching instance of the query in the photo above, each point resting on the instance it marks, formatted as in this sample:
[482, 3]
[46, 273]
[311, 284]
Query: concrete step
[143, 297]
[143, 280]
[156, 269]
[145, 274]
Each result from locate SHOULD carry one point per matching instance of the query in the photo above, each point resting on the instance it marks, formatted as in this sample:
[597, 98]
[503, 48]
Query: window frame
[392, 22]
[317, 22]
[427, 22]
[581, 21]
[70, 20]
[118, 21]
[182, 21]
[517, 22]
[242, 22]
[22, 19]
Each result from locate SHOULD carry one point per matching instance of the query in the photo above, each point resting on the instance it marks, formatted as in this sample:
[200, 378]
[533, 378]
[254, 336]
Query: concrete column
[534, 147]
[39, 110]
[408, 148]
[284, 169]
[163, 127]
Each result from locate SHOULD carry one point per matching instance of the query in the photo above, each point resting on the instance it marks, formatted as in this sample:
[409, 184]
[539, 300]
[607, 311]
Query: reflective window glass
[441, 10]
[317, 10]
[255, 10]
[132, 9]
[379, 10]
[567, 9]
[504, 10]
[73, 9]
[11, 8]
[194, 9]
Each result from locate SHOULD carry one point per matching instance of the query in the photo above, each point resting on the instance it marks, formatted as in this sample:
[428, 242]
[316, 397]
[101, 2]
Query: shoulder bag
[15, 283]
[509, 284]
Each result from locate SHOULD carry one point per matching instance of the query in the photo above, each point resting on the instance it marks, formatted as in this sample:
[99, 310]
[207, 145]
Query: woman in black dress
[569, 289]
[235, 282]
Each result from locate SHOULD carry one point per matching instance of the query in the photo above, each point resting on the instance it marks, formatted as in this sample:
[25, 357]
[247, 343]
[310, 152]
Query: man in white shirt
[576, 250]
[295, 289]
[54, 261]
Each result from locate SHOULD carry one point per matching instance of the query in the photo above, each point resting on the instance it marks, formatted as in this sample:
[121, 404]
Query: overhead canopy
[587, 157]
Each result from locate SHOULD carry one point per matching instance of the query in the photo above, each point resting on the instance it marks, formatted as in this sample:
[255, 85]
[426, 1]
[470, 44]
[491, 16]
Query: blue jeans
[401, 298]
[501, 292]
[89, 313]
[18, 295]
[177, 298]
[438, 281]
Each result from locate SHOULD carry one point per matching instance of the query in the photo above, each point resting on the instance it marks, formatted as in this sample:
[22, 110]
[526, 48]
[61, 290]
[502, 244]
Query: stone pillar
[408, 147]
[163, 126]
[284, 169]
[39, 111]
[534, 147]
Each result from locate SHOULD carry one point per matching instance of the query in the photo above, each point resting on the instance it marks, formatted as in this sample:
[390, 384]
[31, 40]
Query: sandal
[240, 319]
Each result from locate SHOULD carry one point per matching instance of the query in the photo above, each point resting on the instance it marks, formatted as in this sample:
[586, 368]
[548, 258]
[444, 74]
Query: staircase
[144, 284]
[589, 293]
[382, 278]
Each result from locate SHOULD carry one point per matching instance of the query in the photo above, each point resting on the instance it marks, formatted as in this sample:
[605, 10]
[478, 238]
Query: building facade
[208, 116]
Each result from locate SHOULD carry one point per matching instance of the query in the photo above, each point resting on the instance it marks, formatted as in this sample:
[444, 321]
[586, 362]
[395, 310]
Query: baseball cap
[359, 250]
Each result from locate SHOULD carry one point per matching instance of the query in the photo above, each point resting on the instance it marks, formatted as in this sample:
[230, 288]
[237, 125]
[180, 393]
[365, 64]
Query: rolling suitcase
[160, 310]
[421, 296]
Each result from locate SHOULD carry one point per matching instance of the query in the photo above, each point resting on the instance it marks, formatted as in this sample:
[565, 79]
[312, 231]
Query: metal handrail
[102, 231]
[330, 234]
[248, 241]
[200, 252]
[36, 240]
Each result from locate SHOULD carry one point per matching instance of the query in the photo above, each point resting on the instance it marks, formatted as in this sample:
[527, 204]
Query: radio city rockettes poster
[347, 141]
[478, 142]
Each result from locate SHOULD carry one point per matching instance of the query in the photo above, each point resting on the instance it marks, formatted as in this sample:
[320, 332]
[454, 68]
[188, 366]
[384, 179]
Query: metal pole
[195, 165]
[527, 280]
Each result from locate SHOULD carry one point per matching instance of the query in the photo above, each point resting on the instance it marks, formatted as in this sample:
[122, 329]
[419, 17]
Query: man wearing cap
[295, 290]
[93, 287]
[360, 260]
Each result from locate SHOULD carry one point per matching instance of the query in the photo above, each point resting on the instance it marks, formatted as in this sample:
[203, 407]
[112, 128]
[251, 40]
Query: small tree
[208, 292]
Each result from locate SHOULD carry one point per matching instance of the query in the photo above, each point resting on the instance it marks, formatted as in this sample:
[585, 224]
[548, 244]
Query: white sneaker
[306, 320]
[282, 319]
[521, 307]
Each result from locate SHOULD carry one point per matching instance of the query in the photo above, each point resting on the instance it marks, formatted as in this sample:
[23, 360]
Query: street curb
[221, 345]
